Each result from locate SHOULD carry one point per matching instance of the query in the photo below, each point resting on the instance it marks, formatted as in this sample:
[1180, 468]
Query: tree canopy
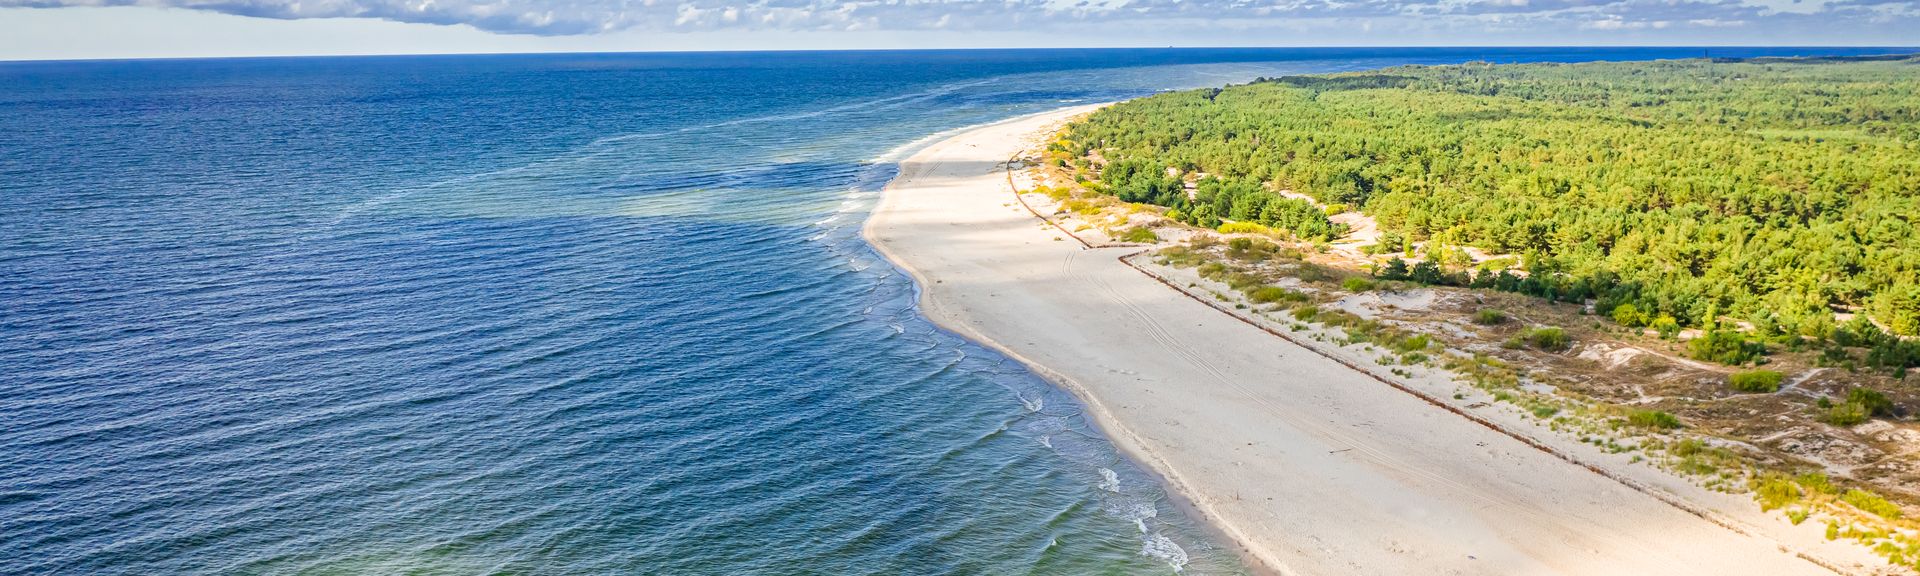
[1777, 191]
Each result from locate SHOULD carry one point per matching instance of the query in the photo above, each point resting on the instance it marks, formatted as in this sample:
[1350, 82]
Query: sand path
[1311, 467]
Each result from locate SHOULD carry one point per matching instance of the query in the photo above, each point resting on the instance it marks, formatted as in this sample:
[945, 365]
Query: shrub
[1427, 272]
[1271, 294]
[1250, 249]
[1310, 272]
[1082, 207]
[1243, 228]
[1395, 269]
[1140, 234]
[1666, 326]
[1699, 459]
[1181, 256]
[1815, 482]
[1755, 381]
[1774, 491]
[1725, 347]
[1242, 281]
[1798, 515]
[1357, 284]
[1548, 338]
[1871, 503]
[1653, 419]
[1845, 414]
[1306, 313]
[1861, 404]
[1489, 317]
[1875, 403]
[1413, 343]
[1630, 315]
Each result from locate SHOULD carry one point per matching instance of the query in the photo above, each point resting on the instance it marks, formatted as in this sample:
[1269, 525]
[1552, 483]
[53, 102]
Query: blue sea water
[555, 314]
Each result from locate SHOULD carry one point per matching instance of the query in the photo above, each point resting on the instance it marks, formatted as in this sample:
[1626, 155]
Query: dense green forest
[1777, 191]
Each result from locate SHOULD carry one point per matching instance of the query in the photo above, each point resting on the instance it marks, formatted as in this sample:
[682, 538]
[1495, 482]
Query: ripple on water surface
[565, 314]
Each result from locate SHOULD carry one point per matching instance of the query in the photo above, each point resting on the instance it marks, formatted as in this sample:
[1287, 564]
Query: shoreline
[1098, 417]
[1294, 471]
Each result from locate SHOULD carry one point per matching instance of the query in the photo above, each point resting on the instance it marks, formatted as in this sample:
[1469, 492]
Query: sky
[80, 29]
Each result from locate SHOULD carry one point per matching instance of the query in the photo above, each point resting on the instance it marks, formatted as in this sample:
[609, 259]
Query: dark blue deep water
[559, 314]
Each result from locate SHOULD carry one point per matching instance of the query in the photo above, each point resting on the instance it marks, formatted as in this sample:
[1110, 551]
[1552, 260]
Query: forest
[1778, 193]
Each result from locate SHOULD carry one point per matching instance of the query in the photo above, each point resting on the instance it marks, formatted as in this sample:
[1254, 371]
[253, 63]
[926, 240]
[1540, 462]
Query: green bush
[1242, 281]
[1414, 343]
[1548, 338]
[1875, 403]
[1725, 347]
[1181, 257]
[1243, 228]
[1489, 317]
[1630, 316]
[1250, 249]
[1797, 516]
[1271, 294]
[1306, 313]
[1140, 234]
[1755, 381]
[1871, 503]
[1845, 414]
[1816, 482]
[1666, 326]
[1774, 491]
[1357, 284]
[1861, 404]
[1653, 419]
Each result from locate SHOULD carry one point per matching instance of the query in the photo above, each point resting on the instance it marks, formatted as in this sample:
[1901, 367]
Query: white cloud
[1458, 18]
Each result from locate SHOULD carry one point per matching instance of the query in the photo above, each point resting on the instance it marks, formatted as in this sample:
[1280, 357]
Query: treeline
[1776, 192]
[1216, 199]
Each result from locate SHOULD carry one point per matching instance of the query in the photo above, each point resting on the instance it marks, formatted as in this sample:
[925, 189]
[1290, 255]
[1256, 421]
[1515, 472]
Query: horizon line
[1703, 47]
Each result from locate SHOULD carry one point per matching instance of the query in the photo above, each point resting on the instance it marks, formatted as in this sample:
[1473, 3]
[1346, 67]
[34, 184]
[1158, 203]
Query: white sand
[1310, 466]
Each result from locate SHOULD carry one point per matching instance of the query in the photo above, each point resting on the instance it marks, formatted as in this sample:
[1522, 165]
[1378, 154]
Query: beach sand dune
[1308, 465]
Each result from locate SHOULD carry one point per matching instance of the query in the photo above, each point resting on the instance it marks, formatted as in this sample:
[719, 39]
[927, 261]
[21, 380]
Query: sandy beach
[1310, 466]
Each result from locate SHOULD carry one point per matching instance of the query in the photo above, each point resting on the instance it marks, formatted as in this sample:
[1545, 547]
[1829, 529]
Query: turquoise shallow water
[564, 314]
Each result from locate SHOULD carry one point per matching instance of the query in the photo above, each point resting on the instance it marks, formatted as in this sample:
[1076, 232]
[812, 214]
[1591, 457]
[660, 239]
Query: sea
[560, 314]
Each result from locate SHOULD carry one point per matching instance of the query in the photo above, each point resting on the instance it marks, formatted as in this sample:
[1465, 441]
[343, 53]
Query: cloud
[576, 17]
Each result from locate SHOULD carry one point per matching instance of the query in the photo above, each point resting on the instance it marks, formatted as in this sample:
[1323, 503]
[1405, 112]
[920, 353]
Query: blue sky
[32, 29]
